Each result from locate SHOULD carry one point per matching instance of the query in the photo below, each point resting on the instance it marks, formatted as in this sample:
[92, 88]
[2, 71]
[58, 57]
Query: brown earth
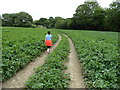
[74, 68]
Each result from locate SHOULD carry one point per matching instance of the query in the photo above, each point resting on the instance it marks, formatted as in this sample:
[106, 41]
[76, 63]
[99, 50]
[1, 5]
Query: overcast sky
[45, 8]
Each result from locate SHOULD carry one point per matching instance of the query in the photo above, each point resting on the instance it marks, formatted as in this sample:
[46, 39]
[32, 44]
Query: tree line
[21, 19]
[88, 16]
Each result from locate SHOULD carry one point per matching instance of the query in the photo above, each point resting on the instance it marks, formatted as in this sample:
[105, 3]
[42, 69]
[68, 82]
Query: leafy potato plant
[21, 46]
[51, 75]
[98, 53]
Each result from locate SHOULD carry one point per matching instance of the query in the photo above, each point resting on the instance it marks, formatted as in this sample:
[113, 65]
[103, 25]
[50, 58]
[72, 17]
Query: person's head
[49, 32]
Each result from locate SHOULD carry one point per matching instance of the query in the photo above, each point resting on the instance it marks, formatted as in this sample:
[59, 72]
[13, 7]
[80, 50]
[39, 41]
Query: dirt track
[74, 68]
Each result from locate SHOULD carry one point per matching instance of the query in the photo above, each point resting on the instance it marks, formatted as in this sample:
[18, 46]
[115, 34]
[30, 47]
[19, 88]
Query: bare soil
[74, 68]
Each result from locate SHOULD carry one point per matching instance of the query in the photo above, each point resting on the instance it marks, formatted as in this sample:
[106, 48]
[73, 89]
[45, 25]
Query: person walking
[48, 41]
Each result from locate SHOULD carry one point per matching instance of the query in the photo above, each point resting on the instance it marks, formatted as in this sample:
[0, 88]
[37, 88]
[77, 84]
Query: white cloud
[45, 8]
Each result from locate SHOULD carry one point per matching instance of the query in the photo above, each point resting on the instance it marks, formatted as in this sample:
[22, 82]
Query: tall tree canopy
[21, 19]
[87, 15]
[0, 20]
[113, 16]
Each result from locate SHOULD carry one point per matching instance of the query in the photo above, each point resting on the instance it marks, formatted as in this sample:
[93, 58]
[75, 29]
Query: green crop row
[20, 46]
[98, 53]
[51, 75]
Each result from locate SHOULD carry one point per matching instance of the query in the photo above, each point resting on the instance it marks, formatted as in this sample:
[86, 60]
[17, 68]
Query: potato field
[20, 46]
[97, 52]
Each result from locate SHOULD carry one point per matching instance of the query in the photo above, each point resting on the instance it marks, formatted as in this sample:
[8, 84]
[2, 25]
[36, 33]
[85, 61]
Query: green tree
[8, 19]
[72, 24]
[98, 18]
[23, 19]
[83, 17]
[58, 22]
[65, 24]
[36, 22]
[46, 23]
[41, 21]
[0, 21]
[113, 16]
[52, 22]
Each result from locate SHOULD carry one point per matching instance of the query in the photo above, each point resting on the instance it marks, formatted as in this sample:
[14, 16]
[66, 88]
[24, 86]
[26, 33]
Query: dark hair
[49, 32]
